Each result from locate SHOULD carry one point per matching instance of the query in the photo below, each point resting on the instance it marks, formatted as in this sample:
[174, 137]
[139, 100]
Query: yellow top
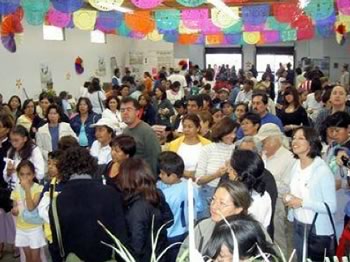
[16, 196]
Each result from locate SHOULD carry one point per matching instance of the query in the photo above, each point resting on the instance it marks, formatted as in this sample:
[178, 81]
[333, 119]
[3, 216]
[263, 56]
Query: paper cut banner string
[251, 38]
[155, 36]
[194, 18]
[273, 24]
[171, 36]
[324, 29]
[270, 36]
[320, 9]
[140, 21]
[137, 35]
[222, 19]
[285, 12]
[233, 39]
[123, 30]
[85, 19]
[167, 19]
[35, 11]
[209, 28]
[8, 6]
[105, 5]
[185, 30]
[236, 28]
[191, 3]
[108, 21]
[302, 21]
[305, 33]
[187, 39]
[344, 6]
[255, 14]
[289, 35]
[253, 28]
[67, 6]
[146, 4]
[57, 18]
[214, 39]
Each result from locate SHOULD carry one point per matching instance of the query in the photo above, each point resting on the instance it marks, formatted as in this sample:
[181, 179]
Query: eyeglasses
[127, 109]
[219, 204]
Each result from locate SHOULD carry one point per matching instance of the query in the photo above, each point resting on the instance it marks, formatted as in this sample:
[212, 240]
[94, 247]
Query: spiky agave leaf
[120, 249]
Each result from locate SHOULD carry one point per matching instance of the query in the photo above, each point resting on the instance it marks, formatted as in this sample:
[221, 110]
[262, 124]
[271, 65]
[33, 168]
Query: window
[97, 37]
[53, 33]
[226, 56]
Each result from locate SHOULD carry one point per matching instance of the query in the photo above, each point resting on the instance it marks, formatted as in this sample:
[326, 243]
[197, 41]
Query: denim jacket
[75, 123]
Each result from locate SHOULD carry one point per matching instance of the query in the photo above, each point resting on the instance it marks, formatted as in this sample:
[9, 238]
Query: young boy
[55, 184]
[176, 194]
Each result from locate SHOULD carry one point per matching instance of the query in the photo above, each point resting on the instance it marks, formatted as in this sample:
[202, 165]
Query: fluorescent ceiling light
[219, 4]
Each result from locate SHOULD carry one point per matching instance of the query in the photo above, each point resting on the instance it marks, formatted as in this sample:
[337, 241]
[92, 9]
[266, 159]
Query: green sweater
[147, 144]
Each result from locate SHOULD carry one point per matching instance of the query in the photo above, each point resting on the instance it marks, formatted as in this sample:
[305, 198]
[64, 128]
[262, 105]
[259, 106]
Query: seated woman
[250, 237]
[190, 144]
[248, 167]
[230, 198]
[250, 124]
[144, 205]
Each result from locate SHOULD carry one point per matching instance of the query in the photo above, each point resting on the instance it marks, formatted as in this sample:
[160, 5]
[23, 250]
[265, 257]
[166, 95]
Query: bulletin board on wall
[322, 63]
[151, 61]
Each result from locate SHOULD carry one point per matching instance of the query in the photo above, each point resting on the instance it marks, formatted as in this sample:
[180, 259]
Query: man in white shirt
[245, 95]
[345, 77]
[180, 78]
[279, 161]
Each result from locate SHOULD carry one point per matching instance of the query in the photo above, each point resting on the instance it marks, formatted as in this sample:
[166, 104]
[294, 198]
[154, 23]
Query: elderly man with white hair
[279, 161]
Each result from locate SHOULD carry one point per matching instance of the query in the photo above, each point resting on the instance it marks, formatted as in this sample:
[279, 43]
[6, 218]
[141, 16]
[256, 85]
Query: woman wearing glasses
[230, 198]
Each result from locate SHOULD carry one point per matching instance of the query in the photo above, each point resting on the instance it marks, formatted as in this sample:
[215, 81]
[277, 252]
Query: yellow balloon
[105, 5]
[251, 38]
[85, 19]
[224, 20]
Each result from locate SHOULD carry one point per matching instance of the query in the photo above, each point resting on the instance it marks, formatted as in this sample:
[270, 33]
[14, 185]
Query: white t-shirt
[299, 188]
[97, 100]
[103, 154]
[261, 208]
[190, 155]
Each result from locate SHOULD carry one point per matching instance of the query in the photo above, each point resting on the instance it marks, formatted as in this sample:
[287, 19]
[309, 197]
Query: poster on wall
[101, 67]
[114, 64]
[45, 76]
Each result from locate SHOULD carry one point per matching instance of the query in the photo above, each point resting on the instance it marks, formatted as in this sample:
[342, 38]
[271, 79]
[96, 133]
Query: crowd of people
[267, 159]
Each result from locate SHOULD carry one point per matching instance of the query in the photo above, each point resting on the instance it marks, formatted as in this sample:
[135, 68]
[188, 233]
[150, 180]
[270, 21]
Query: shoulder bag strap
[57, 225]
[330, 218]
[313, 223]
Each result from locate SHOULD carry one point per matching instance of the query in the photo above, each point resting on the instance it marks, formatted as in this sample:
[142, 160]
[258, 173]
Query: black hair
[126, 143]
[66, 142]
[94, 86]
[206, 97]
[25, 104]
[110, 98]
[263, 95]
[171, 163]
[163, 90]
[27, 149]
[313, 139]
[77, 161]
[250, 169]
[63, 94]
[179, 103]
[87, 101]
[128, 99]
[224, 127]
[25, 163]
[45, 95]
[58, 110]
[252, 117]
[7, 120]
[55, 155]
[339, 119]
[19, 101]
[196, 98]
[249, 235]
[298, 71]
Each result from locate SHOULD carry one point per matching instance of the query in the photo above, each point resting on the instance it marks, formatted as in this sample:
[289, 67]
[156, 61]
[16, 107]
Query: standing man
[180, 78]
[344, 78]
[147, 144]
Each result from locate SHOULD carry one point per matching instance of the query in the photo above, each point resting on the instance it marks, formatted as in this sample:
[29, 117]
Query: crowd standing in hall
[265, 158]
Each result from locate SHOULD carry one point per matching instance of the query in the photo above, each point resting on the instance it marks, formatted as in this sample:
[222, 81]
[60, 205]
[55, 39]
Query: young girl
[26, 196]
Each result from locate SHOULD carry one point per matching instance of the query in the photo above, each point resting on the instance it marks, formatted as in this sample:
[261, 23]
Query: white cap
[113, 124]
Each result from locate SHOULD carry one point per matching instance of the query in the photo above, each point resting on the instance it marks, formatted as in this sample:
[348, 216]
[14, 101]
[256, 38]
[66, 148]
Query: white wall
[60, 56]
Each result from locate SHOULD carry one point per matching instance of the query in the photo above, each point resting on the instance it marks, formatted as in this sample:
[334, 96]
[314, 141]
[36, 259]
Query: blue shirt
[54, 137]
[176, 197]
[83, 140]
[268, 118]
